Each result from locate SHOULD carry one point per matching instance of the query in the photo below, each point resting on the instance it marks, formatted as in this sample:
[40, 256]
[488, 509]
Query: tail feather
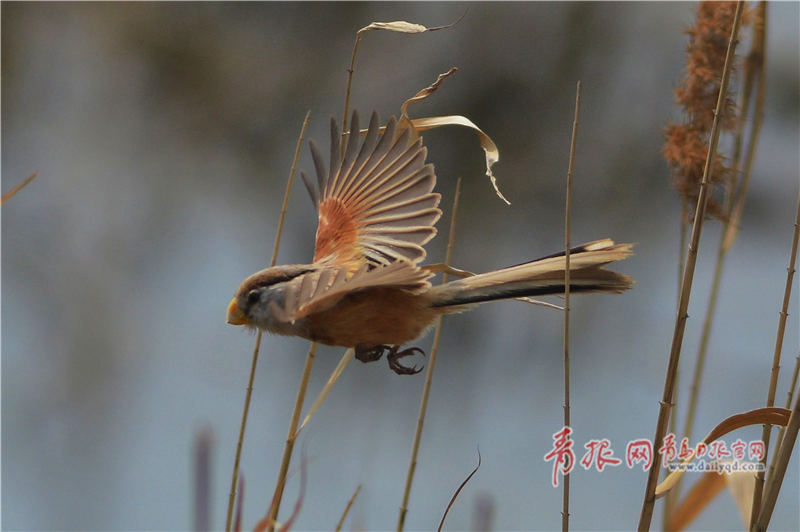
[543, 276]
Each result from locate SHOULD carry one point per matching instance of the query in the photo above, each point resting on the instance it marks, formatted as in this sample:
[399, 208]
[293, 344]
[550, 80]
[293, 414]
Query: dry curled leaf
[421, 124]
[401, 26]
[427, 91]
[759, 416]
[711, 483]
[488, 145]
[742, 484]
[702, 493]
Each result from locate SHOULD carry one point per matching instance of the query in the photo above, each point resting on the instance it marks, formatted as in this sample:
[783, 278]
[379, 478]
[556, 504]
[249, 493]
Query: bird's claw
[370, 354]
[373, 353]
[394, 357]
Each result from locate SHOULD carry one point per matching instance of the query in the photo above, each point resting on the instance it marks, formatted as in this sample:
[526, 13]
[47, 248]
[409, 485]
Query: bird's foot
[394, 357]
[371, 353]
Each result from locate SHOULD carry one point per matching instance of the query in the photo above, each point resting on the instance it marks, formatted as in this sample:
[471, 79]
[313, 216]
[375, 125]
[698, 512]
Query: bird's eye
[253, 296]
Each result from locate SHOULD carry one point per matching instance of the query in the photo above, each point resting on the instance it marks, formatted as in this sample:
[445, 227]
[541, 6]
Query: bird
[365, 287]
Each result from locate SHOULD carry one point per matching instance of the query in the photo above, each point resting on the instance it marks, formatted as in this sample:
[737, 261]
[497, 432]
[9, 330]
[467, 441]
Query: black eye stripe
[282, 278]
[279, 279]
[252, 290]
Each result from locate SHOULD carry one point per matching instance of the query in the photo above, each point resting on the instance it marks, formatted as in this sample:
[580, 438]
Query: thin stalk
[759, 49]
[794, 380]
[735, 195]
[289, 189]
[697, 375]
[11, 193]
[570, 172]
[789, 396]
[254, 363]
[242, 426]
[672, 495]
[699, 366]
[349, 84]
[423, 406]
[686, 284]
[347, 356]
[682, 251]
[776, 479]
[776, 363]
[291, 437]
[347, 509]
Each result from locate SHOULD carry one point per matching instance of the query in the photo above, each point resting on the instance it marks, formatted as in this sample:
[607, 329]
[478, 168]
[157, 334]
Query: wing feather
[412, 187]
[319, 165]
[376, 202]
[321, 289]
[349, 157]
[367, 150]
[336, 153]
[403, 220]
[312, 191]
[376, 156]
[401, 170]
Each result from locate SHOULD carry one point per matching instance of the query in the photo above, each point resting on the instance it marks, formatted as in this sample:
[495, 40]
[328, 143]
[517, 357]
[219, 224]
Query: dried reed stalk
[13, 192]
[789, 396]
[347, 508]
[782, 462]
[291, 437]
[254, 363]
[672, 496]
[568, 201]
[735, 195]
[423, 405]
[776, 364]
[688, 276]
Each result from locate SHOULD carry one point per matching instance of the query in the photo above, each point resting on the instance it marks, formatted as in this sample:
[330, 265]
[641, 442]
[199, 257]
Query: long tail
[540, 277]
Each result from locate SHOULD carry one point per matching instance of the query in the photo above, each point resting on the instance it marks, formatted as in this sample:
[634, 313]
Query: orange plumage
[365, 287]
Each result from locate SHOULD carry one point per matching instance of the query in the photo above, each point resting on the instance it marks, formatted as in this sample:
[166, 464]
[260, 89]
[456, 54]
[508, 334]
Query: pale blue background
[163, 133]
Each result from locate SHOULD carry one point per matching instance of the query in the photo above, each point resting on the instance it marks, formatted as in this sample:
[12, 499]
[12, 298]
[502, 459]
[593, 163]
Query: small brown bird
[365, 288]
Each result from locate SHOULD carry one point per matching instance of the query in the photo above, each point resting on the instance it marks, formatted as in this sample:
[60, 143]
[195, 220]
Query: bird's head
[250, 305]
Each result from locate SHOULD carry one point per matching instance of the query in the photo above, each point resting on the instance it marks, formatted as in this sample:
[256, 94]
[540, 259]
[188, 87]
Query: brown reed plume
[686, 143]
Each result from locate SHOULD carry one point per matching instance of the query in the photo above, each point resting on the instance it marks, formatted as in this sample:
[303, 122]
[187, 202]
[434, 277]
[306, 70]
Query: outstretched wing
[376, 204]
[321, 289]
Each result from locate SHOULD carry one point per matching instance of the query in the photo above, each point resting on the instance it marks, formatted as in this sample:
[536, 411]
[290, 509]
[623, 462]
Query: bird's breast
[372, 317]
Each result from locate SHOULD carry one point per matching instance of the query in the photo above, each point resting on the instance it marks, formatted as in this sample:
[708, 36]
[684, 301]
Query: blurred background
[163, 135]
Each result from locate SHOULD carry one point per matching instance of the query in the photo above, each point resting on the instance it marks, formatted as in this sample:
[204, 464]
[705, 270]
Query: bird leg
[370, 353]
[394, 357]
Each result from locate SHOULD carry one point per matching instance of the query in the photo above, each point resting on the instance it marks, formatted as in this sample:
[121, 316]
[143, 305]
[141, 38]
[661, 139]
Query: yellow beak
[235, 315]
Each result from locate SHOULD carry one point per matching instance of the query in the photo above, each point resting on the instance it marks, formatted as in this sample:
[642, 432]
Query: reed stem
[423, 406]
[291, 437]
[776, 365]
[686, 285]
[347, 508]
[570, 172]
[776, 478]
[254, 362]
